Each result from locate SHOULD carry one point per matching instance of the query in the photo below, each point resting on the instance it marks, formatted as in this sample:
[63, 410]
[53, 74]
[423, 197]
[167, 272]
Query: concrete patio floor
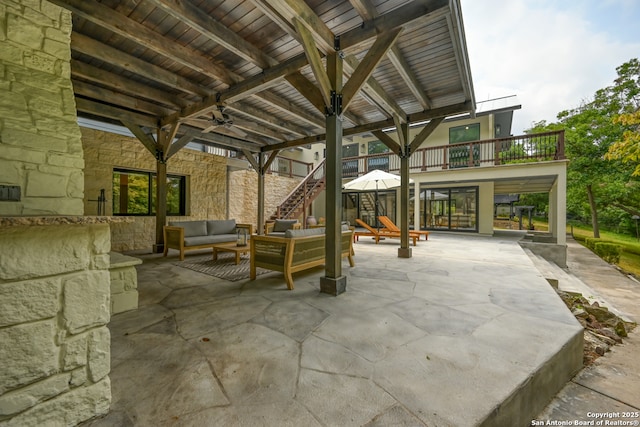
[467, 332]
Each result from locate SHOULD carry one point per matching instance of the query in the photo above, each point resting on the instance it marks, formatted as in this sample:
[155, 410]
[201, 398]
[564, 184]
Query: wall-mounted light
[316, 156]
[363, 148]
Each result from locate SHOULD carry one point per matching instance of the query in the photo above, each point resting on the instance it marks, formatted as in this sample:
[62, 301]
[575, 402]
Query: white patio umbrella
[375, 180]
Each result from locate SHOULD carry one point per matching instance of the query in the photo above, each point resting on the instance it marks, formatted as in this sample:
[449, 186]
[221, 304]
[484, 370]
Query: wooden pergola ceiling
[247, 74]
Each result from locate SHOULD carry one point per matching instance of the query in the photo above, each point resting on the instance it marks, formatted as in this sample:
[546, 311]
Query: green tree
[596, 184]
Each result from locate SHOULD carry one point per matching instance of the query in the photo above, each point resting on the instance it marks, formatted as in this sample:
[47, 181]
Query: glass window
[350, 167]
[464, 133]
[449, 208]
[381, 162]
[460, 156]
[134, 193]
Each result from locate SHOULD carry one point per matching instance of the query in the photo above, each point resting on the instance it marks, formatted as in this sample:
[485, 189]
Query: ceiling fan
[220, 118]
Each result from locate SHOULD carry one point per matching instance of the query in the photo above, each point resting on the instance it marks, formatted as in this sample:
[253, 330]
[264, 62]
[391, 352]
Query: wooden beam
[178, 145]
[289, 108]
[368, 12]
[408, 16]
[315, 61]
[308, 90]
[388, 141]
[296, 10]
[424, 133]
[103, 52]
[102, 110]
[374, 91]
[218, 140]
[124, 26]
[450, 110]
[146, 139]
[124, 85]
[371, 60]
[215, 31]
[88, 90]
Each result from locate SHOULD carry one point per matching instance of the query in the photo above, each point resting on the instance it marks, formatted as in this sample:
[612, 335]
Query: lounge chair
[391, 226]
[377, 235]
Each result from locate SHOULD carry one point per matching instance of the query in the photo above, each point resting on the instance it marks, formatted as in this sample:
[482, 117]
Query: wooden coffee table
[230, 247]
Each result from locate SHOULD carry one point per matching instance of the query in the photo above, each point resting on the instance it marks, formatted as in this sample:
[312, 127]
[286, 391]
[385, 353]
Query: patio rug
[224, 268]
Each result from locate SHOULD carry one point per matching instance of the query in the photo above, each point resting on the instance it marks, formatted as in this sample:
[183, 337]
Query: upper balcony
[538, 147]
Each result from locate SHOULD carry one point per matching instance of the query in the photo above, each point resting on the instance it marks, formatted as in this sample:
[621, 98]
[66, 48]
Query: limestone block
[124, 302]
[46, 185]
[33, 140]
[40, 252]
[20, 31]
[101, 241]
[86, 300]
[74, 352]
[100, 262]
[78, 377]
[60, 126]
[10, 53]
[40, 61]
[52, 206]
[65, 160]
[12, 102]
[53, 33]
[69, 409]
[99, 354]
[75, 184]
[22, 302]
[58, 49]
[51, 11]
[28, 353]
[26, 397]
[34, 15]
[9, 173]
[47, 105]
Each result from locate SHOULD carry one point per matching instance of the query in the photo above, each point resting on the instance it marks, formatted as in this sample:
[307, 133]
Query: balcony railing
[492, 152]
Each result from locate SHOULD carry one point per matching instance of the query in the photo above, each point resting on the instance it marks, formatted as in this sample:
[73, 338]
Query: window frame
[151, 178]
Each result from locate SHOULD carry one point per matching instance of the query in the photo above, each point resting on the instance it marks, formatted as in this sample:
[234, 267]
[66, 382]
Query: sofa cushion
[221, 226]
[191, 228]
[207, 240]
[304, 232]
[284, 224]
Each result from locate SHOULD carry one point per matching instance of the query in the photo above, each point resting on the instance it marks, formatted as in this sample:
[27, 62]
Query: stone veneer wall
[104, 151]
[40, 147]
[54, 308]
[243, 195]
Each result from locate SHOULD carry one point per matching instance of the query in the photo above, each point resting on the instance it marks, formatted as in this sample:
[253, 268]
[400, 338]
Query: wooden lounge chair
[391, 226]
[372, 232]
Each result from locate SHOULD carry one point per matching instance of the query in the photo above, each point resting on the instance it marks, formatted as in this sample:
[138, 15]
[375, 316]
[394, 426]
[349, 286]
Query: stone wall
[54, 308]
[243, 195]
[206, 182]
[40, 147]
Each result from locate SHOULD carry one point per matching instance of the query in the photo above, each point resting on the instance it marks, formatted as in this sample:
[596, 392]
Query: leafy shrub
[590, 242]
[609, 252]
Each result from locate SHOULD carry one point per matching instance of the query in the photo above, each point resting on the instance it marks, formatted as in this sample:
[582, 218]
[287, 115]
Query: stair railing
[314, 181]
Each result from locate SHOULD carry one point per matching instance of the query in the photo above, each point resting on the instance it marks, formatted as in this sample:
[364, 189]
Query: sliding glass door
[451, 209]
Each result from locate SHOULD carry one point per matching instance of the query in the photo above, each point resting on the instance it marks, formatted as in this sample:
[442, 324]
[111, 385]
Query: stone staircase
[299, 200]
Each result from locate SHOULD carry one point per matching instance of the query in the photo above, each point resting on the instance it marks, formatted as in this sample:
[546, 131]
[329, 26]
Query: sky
[552, 54]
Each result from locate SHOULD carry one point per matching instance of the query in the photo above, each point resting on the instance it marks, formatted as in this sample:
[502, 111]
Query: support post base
[404, 252]
[333, 285]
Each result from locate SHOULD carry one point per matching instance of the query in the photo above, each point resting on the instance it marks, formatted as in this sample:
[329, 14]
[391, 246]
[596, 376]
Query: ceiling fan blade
[217, 114]
[237, 130]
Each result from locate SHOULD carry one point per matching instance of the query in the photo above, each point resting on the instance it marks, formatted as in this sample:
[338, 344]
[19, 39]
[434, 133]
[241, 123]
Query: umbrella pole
[376, 209]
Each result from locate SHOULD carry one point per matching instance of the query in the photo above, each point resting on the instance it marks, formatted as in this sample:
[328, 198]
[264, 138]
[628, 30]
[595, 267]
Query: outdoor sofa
[280, 226]
[189, 235]
[298, 250]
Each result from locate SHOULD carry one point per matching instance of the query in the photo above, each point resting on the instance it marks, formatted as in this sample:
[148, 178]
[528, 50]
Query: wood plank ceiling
[235, 73]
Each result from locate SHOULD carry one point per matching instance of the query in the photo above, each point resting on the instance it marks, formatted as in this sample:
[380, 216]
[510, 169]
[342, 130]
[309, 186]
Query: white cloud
[552, 56]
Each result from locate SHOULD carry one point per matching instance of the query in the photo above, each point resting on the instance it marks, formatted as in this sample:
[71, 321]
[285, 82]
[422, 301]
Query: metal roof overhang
[252, 65]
